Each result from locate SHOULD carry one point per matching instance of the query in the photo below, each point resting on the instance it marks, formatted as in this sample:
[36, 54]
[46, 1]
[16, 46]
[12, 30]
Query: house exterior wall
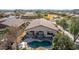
[52, 16]
[42, 28]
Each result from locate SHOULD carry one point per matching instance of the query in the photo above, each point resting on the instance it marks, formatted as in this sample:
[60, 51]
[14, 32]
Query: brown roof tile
[43, 22]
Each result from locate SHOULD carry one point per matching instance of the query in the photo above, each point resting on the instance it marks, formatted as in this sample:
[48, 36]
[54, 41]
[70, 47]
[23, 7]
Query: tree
[17, 13]
[3, 32]
[63, 42]
[74, 27]
[1, 14]
[63, 23]
[39, 15]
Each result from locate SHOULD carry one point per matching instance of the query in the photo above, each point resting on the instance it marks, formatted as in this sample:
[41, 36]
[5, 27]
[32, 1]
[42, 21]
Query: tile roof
[2, 19]
[43, 22]
[13, 22]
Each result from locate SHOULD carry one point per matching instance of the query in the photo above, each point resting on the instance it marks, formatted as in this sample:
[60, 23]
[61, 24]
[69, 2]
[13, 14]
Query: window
[30, 34]
[40, 34]
[49, 33]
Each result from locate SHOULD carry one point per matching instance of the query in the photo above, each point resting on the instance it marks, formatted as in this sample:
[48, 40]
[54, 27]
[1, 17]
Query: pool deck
[31, 39]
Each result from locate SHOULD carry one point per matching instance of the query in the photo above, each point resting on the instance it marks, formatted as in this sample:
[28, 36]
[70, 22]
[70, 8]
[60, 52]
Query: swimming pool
[36, 44]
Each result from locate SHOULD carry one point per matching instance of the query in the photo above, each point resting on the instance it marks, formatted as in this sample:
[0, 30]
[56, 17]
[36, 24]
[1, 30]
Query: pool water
[36, 44]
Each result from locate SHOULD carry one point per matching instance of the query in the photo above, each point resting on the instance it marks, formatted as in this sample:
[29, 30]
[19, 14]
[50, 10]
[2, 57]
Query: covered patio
[37, 39]
[37, 36]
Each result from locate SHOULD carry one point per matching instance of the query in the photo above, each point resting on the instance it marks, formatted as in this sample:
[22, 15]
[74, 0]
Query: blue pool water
[36, 44]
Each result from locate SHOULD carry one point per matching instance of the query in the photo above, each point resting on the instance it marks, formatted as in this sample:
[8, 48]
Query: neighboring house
[2, 25]
[3, 28]
[14, 24]
[2, 20]
[40, 30]
[16, 28]
[52, 16]
[9, 13]
[29, 15]
[12, 21]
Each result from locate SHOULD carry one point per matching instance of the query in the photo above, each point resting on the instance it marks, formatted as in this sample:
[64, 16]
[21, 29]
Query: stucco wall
[42, 28]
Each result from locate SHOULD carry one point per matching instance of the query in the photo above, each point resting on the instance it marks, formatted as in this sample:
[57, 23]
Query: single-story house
[16, 28]
[13, 22]
[29, 15]
[40, 30]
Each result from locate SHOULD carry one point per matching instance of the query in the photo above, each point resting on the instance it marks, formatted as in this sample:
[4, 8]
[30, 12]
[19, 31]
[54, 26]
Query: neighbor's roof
[43, 22]
[2, 19]
[13, 22]
[30, 14]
